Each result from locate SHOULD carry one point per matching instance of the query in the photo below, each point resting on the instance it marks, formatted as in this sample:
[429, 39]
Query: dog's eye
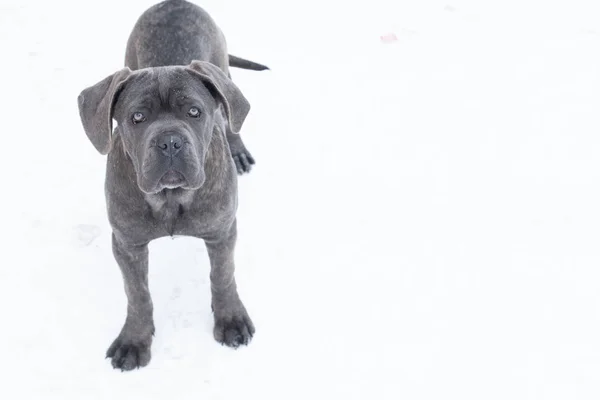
[194, 112]
[138, 117]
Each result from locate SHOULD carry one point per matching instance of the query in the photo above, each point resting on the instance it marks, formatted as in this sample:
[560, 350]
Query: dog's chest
[168, 216]
[169, 209]
[175, 213]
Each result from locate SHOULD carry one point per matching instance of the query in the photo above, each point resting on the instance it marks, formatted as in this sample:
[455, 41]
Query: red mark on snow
[389, 38]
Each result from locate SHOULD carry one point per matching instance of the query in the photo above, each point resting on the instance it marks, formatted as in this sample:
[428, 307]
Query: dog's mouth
[157, 172]
[172, 179]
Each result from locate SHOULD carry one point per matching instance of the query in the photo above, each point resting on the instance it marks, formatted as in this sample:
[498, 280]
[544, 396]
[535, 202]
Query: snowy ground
[423, 221]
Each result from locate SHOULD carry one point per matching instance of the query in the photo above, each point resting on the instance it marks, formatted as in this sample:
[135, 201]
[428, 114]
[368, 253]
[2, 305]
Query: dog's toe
[240, 154]
[243, 162]
[128, 356]
[234, 332]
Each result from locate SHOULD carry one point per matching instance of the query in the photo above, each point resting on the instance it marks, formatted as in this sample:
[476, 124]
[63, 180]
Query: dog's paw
[127, 355]
[243, 161]
[235, 331]
[240, 154]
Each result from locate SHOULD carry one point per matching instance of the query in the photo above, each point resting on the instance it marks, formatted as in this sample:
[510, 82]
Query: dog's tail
[238, 62]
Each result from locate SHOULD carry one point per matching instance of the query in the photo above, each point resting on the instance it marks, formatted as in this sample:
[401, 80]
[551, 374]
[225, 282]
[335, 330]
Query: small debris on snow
[389, 38]
[86, 234]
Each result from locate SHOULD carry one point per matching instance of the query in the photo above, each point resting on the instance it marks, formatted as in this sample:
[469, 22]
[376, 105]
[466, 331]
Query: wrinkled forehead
[163, 87]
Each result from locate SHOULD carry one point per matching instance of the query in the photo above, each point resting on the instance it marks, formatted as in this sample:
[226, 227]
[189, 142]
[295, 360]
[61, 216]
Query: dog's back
[175, 32]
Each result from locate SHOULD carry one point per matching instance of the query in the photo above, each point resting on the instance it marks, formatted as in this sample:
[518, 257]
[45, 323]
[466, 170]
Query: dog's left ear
[235, 104]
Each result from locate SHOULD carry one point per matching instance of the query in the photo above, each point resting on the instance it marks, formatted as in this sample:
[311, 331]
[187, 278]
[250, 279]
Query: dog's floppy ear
[235, 104]
[96, 106]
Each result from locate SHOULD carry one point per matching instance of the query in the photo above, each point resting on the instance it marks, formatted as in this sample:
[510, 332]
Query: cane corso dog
[173, 160]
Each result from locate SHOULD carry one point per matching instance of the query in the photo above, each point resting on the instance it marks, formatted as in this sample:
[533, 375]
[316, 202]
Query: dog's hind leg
[241, 156]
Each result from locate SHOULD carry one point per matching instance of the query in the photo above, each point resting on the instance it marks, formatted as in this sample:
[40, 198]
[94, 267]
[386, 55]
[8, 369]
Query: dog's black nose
[170, 144]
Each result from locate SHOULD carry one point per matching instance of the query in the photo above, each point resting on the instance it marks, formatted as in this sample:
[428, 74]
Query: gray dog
[172, 162]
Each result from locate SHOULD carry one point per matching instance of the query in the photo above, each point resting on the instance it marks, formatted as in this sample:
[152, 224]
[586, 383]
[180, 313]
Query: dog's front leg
[131, 349]
[233, 326]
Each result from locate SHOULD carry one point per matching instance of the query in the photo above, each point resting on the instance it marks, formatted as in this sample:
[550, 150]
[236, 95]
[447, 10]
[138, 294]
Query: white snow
[423, 221]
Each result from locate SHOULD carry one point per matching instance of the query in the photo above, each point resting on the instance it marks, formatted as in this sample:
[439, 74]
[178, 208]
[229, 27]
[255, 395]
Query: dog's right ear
[96, 107]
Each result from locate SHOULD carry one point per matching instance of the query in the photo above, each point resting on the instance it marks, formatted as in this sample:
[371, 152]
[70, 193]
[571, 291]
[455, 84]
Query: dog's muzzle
[170, 145]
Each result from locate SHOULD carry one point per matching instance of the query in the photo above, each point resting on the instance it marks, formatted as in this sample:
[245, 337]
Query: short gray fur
[170, 170]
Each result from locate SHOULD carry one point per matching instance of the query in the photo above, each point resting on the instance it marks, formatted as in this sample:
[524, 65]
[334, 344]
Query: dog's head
[166, 117]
